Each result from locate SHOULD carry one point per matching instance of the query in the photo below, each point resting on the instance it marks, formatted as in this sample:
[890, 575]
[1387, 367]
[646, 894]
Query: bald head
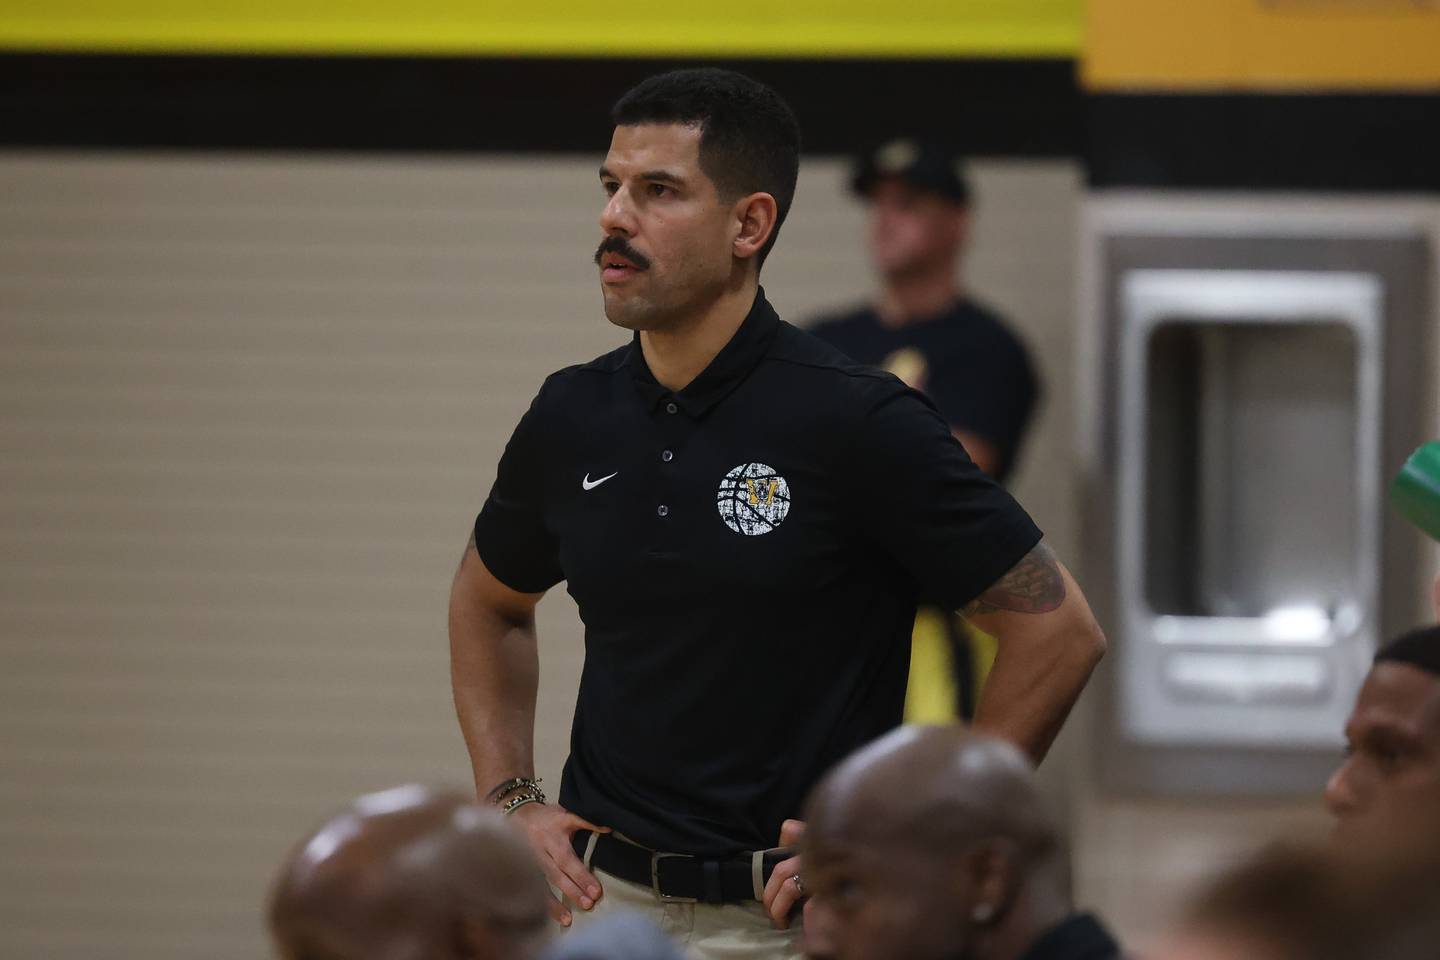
[930, 786]
[925, 843]
[410, 874]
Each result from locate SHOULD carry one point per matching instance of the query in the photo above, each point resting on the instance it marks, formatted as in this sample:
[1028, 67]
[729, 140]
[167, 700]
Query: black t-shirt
[746, 555]
[1079, 937]
[965, 359]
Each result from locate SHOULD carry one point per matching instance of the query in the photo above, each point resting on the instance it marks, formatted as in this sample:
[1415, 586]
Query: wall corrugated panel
[248, 407]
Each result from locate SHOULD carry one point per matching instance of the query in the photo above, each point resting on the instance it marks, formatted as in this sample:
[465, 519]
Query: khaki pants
[731, 931]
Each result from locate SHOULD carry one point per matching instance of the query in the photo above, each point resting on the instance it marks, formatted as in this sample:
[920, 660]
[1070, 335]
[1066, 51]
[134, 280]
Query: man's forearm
[494, 675]
[1034, 683]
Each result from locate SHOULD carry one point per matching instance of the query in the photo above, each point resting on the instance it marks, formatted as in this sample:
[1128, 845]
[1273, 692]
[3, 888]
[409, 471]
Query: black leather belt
[678, 877]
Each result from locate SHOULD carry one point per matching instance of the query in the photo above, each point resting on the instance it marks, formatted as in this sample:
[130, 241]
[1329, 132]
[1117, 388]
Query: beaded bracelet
[513, 784]
[518, 801]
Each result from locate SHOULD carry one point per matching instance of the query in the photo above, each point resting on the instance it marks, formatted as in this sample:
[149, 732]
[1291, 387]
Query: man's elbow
[1091, 643]
[1080, 638]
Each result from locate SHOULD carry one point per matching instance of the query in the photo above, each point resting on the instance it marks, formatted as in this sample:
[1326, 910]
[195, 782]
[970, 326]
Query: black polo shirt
[965, 358]
[746, 555]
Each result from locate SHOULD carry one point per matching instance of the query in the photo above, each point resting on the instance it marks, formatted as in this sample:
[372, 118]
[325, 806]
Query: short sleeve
[923, 502]
[510, 532]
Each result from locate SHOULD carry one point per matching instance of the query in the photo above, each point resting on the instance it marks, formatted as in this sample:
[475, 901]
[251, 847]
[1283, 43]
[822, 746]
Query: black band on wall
[1334, 142]
[985, 108]
[1017, 107]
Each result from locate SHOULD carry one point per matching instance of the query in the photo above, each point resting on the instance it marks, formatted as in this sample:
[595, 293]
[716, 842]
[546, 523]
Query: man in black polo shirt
[746, 520]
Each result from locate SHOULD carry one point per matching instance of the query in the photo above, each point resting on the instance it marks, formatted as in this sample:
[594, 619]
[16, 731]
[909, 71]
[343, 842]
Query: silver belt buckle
[655, 859]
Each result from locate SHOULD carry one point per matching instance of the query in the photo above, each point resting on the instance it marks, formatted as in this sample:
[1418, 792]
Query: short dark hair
[749, 137]
[1418, 648]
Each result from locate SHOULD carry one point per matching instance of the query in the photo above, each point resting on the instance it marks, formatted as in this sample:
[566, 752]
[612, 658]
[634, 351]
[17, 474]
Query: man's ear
[755, 216]
[994, 869]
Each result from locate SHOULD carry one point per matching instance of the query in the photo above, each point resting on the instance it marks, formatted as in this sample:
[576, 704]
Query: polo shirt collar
[731, 365]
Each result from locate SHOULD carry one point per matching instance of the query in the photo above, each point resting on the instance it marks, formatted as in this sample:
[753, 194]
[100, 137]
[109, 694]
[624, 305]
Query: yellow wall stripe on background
[805, 28]
[1262, 45]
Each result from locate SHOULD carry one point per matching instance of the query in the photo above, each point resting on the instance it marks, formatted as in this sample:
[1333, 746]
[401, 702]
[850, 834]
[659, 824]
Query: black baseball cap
[919, 163]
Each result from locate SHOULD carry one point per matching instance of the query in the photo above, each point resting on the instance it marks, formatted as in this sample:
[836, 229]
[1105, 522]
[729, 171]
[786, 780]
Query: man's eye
[848, 893]
[658, 189]
[610, 187]
[1387, 757]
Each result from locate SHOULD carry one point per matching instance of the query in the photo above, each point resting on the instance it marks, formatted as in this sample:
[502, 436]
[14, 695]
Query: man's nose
[817, 938]
[617, 219]
[1340, 797]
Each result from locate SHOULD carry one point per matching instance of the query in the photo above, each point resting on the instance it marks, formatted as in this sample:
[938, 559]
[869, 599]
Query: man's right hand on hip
[548, 828]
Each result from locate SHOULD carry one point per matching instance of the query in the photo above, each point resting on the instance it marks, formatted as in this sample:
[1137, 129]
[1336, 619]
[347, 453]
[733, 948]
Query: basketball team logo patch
[753, 499]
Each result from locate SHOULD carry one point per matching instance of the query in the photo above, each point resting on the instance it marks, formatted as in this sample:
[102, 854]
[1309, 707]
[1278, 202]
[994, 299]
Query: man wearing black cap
[1386, 795]
[924, 329]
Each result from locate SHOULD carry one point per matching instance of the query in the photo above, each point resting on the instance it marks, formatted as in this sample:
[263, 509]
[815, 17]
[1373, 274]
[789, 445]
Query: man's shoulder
[811, 362]
[572, 394]
[974, 319]
[848, 404]
[974, 337]
[579, 376]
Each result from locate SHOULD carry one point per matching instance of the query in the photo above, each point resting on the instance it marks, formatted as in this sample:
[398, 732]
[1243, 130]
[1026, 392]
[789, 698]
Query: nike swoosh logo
[589, 484]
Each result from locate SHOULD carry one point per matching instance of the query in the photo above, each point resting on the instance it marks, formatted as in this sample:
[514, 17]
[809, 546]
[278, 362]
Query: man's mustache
[621, 246]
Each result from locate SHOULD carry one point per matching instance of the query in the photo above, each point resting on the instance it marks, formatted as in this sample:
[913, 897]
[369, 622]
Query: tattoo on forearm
[1034, 585]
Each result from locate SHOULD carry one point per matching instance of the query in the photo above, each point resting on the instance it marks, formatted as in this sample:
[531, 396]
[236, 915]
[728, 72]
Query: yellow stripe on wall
[1280, 45]
[1008, 28]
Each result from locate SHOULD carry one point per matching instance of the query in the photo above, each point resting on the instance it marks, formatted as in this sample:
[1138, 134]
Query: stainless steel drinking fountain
[1250, 501]
[1253, 385]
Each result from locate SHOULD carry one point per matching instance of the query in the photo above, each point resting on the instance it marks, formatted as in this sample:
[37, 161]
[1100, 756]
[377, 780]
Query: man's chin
[1378, 842]
[630, 312]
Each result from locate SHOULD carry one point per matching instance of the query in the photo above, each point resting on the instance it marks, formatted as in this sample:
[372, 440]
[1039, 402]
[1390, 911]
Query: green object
[1416, 490]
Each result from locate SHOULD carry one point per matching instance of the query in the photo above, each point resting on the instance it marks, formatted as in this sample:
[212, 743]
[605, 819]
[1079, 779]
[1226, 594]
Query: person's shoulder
[571, 387]
[606, 365]
[816, 368]
[977, 318]
[972, 307]
[806, 350]
[978, 326]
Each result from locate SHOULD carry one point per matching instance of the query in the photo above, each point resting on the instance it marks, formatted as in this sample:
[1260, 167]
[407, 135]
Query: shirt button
[667, 456]
[671, 408]
[663, 510]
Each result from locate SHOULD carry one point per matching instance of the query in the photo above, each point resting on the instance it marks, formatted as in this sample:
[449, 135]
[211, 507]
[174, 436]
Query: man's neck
[679, 353]
[907, 299]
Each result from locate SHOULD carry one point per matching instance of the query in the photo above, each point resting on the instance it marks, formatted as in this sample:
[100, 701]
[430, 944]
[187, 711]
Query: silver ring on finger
[799, 884]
